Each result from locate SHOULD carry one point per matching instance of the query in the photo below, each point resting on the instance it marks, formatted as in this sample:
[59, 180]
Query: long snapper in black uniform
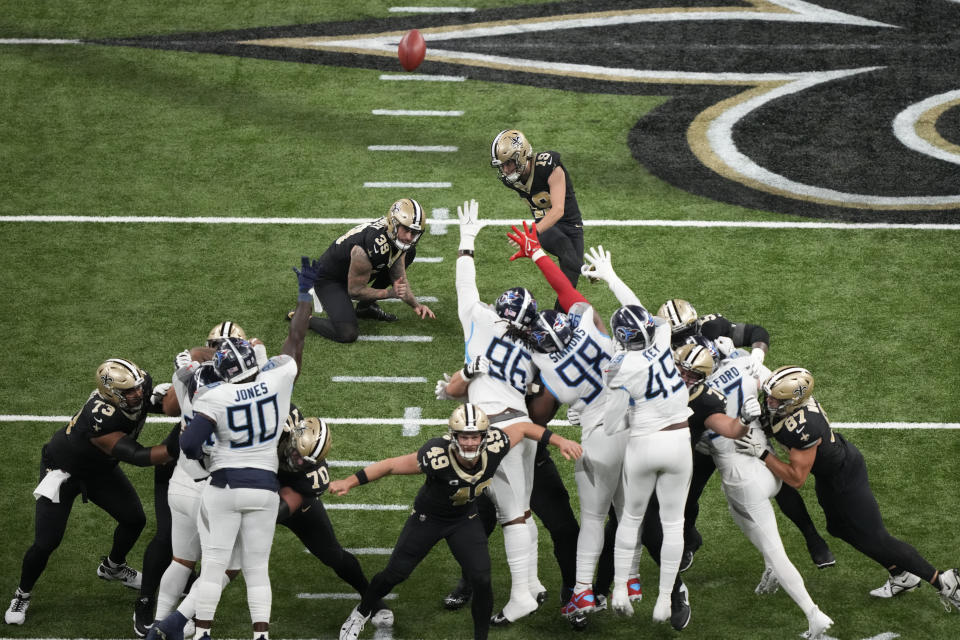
[310, 521]
[72, 464]
[445, 508]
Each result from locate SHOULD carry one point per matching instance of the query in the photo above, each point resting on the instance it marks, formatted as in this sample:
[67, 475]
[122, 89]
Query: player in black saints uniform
[797, 421]
[458, 466]
[545, 184]
[368, 263]
[82, 458]
[684, 324]
[304, 476]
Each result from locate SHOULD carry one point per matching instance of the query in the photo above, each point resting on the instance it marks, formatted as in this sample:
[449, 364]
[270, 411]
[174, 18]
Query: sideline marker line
[418, 77]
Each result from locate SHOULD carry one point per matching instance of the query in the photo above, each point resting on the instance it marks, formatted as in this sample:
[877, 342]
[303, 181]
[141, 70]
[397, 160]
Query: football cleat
[680, 608]
[497, 620]
[580, 602]
[372, 311]
[460, 596]
[634, 589]
[686, 559]
[121, 572]
[540, 597]
[382, 619]
[821, 555]
[769, 583]
[895, 585]
[601, 602]
[17, 612]
[170, 628]
[142, 616]
[950, 589]
[578, 621]
[819, 622]
[353, 625]
[620, 601]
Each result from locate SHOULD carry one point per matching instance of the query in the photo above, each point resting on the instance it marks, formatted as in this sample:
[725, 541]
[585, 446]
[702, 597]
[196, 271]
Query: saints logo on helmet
[633, 327]
[405, 213]
[510, 144]
[235, 361]
[118, 381]
[551, 331]
[304, 443]
[695, 363]
[790, 386]
[468, 419]
[222, 331]
[682, 318]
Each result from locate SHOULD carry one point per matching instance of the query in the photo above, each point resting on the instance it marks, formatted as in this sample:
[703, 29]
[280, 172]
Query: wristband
[465, 252]
[545, 438]
[763, 456]
[361, 476]
[536, 255]
[465, 372]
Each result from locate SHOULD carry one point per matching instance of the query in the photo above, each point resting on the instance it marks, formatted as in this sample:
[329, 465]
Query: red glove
[528, 242]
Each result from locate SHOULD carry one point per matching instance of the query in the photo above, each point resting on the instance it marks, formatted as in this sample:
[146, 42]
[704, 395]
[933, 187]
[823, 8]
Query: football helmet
[235, 361]
[518, 307]
[304, 443]
[791, 386]
[405, 212]
[694, 361]
[633, 327]
[682, 317]
[224, 330]
[510, 144]
[468, 418]
[118, 377]
[551, 331]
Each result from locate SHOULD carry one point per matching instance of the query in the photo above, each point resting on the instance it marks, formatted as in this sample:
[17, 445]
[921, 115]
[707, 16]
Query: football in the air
[411, 50]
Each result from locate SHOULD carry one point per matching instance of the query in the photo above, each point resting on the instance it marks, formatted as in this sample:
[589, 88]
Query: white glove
[440, 391]
[724, 345]
[573, 416]
[753, 444]
[758, 355]
[469, 215]
[749, 410]
[160, 390]
[480, 364]
[182, 359]
[260, 351]
[599, 267]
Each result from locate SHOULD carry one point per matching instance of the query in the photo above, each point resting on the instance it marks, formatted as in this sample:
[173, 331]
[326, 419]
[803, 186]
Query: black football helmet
[518, 307]
[551, 331]
[235, 361]
[633, 327]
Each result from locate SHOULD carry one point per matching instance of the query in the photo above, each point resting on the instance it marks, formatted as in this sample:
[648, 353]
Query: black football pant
[566, 242]
[853, 515]
[159, 551]
[340, 325]
[111, 491]
[467, 542]
[315, 531]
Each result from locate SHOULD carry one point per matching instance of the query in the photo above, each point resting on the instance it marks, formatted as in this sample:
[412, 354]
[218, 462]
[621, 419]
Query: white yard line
[378, 379]
[437, 148]
[336, 506]
[421, 77]
[431, 9]
[395, 338]
[417, 113]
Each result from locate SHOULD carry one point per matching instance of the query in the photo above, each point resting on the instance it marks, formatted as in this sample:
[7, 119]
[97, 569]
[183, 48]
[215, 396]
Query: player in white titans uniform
[746, 481]
[571, 351]
[246, 412]
[497, 334]
[645, 387]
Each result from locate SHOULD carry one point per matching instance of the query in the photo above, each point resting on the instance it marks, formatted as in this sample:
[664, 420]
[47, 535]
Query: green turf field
[95, 130]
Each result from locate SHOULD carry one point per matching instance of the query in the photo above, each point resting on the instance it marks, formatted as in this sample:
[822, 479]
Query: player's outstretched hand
[423, 312]
[599, 265]
[469, 215]
[307, 274]
[528, 243]
[339, 487]
[571, 450]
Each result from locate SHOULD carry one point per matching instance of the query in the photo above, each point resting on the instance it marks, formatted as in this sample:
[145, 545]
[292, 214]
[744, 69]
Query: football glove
[724, 345]
[749, 410]
[599, 267]
[753, 444]
[469, 215]
[440, 391]
[480, 364]
[573, 416]
[307, 274]
[528, 244]
[182, 359]
[156, 398]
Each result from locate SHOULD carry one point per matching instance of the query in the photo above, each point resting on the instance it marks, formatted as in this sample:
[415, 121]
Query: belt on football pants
[503, 416]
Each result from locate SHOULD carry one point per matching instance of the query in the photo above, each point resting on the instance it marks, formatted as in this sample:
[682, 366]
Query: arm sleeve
[172, 442]
[466, 282]
[567, 294]
[624, 294]
[753, 333]
[132, 452]
[193, 437]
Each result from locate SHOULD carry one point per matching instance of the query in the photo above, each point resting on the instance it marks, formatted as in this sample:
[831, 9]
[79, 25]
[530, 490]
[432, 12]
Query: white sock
[172, 582]
[535, 585]
[516, 543]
